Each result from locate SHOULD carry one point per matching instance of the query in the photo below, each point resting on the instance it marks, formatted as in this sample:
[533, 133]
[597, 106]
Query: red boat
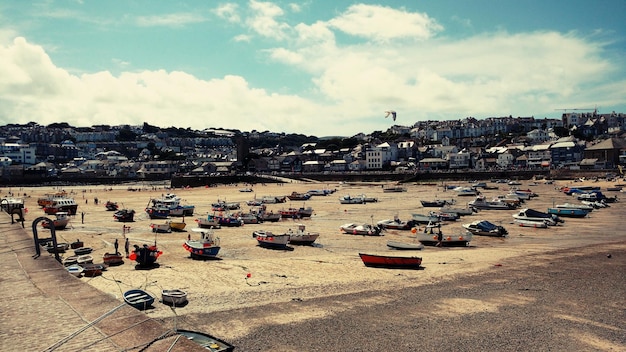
[391, 262]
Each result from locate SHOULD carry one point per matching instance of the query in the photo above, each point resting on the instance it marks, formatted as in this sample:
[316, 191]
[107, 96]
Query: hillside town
[577, 141]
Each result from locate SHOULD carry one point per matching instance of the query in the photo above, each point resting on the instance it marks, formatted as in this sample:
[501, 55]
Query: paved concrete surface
[46, 309]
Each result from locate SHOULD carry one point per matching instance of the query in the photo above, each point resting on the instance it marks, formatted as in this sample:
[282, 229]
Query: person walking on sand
[117, 245]
[439, 238]
[82, 217]
[126, 247]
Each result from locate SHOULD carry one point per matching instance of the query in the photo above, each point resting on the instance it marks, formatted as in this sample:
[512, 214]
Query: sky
[322, 68]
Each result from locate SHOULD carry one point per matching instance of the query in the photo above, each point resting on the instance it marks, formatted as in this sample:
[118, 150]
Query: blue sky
[313, 67]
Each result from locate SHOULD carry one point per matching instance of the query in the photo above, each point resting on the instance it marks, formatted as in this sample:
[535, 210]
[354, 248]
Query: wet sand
[328, 282]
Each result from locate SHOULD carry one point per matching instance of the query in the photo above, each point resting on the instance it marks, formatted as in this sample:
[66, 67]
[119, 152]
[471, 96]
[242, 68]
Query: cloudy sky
[312, 67]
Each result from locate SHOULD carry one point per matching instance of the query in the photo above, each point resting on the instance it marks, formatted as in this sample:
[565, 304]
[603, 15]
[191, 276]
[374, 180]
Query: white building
[19, 153]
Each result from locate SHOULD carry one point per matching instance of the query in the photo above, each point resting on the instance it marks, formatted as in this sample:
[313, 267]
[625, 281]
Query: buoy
[449, 238]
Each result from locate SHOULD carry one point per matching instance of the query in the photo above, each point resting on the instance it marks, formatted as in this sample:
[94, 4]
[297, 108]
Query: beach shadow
[179, 305]
[203, 258]
[147, 267]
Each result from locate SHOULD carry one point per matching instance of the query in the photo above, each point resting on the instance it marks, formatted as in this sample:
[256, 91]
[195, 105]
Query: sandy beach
[247, 278]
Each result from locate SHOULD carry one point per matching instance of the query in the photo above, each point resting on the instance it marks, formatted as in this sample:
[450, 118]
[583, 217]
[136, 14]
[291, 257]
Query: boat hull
[390, 262]
[174, 297]
[138, 299]
[404, 246]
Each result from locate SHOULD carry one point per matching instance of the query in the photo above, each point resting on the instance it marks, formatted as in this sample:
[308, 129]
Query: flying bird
[392, 113]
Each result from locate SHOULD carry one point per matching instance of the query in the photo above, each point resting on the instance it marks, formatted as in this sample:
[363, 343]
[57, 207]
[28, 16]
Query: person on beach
[116, 244]
[127, 248]
[439, 238]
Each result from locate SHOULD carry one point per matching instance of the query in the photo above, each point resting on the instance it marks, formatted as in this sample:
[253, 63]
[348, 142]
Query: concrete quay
[46, 309]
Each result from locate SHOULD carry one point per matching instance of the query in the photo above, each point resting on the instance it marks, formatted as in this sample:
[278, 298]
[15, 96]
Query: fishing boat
[161, 228]
[113, 258]
[172, 203]
[124, 215]
[459, 211]
[465, 191]
[174, 297]
[208, 246]
[207, 341]
[60, 222]
[61, 247]
[158, 211]
[48, 198]
[537, 216]
[347, 199]
[301, 236]
[485, 228]
[224, 205]
[569, 212]
[145, 256]
[209, 222]
[368, 199]
[138, 299]
[391, 262]
[361, 229]
[268, 239]
[581, 206]
[404, 245]
[71, 260]
[61, 204]
[431, 237]
[77, 244]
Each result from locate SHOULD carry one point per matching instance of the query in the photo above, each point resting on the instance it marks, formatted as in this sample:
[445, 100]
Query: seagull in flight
[392, 113]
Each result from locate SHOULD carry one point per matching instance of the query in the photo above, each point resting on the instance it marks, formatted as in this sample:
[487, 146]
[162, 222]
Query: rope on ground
[77, 332]
[116, 333]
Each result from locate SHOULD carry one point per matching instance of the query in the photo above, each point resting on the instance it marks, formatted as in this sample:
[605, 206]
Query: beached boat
[465, 191]
[172, 203]
[424, 219]
[347, 199]
[404, 245]
[321, 192]
[124, 215]
[390, 262]
[430, 237]
[77, 244]
[145, 256]
[174, 297]
[48, 198]
[61, 204]
[437, 203]
[209, 222]
[445, 216]
[485, 228]
[361, 229]
[138, 299]
[393, 188]
[582, 206]
[246, 190]
[111, 206]
[568, 212]
[481, 203]
[531, 223]
[302, 237]
[84, 259]
[224, 205]
[83, 250]
[299, 196]
[75, 270]
[207, 341]
[537, 216]
[268, 239]
[273, 200]
[161, 228]
[459, 211]
[71, 260]
[113, 258]
[368, 199]
[61, 247]
[396, 224]
[92, 270]
[158, 211]
[178, 226]
[208, 246]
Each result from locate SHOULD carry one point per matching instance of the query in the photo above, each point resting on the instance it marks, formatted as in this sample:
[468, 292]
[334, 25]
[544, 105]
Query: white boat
[529, 223]
[393, 188]
[268, 239]
[347, 199]
[301, 236]
[361, 229]
[161, 228]
[465, 191]
[481, 203]
[581, 206]
[174, 297]
[536, 216]
[75, 270]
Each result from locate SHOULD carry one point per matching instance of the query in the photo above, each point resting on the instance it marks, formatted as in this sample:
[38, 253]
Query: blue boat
[206, 247]
[568, 212]
[138, 299]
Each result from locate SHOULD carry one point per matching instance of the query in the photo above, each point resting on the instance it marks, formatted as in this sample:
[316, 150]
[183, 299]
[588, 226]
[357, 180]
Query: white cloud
[382, 24]
[263, 20]
[228, 12]
[169, 20]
